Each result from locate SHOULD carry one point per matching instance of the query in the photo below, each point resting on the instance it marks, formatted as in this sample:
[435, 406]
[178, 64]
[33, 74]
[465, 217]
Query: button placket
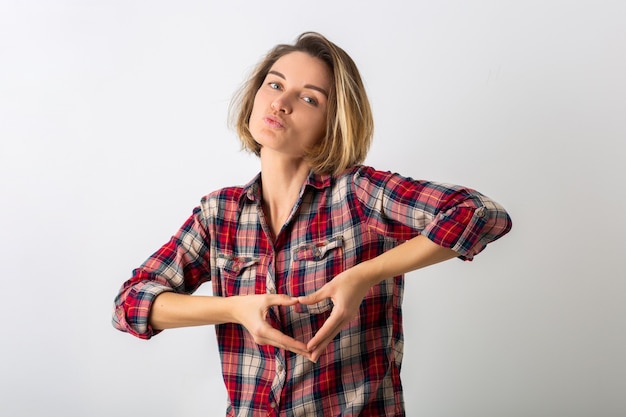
[280, 366]
[270, 280]
[279, 378]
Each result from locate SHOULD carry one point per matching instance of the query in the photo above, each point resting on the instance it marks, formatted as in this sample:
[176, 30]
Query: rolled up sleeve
[452, 216]
[132, 307]
[181, 265]
[467, 227]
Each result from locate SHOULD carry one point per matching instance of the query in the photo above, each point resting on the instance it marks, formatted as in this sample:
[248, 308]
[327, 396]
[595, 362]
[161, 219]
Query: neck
[282, 180]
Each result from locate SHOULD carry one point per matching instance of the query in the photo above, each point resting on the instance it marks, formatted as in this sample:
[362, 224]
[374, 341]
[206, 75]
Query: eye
[274, 85]
[309, 100]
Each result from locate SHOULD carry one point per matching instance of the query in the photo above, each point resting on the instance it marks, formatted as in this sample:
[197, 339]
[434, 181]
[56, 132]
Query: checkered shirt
[336, 223]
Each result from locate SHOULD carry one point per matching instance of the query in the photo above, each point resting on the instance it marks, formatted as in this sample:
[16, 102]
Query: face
[290, 107]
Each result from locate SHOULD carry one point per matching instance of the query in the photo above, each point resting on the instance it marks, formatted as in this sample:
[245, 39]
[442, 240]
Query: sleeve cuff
[132, 316]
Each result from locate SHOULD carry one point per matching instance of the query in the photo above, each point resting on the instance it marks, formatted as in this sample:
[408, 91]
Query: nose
[282, 104]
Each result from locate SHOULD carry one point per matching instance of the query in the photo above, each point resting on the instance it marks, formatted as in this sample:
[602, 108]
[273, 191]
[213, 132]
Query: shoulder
[363, 177]
[360, 184]
[223, 196]
[222, 202]
[362, 172]
[233, 193]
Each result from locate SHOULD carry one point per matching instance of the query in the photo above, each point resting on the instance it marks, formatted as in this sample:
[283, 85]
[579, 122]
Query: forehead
[302, 68]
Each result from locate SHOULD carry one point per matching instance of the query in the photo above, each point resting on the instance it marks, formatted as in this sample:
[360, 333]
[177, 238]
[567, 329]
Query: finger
[315, 355]
[320, 348]
[326, 334]
[281, 300]
[320, 342]
[278, 339]
[331, 327]
[313, 298]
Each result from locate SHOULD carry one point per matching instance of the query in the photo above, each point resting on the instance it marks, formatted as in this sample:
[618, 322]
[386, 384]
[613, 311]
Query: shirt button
[273, 404]
[271, 291]
[480, 213]
[279, 368]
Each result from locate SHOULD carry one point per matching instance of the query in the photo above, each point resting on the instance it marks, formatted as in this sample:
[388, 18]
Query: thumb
[282, 300]
[313, 298]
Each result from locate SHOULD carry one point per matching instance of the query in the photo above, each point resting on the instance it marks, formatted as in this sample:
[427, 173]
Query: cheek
[254, 115]
[260, 101]
[255, 106]
[320, 127]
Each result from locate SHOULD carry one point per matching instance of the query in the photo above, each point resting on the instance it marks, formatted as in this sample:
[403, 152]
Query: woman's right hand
[171, 310]
[251, 312]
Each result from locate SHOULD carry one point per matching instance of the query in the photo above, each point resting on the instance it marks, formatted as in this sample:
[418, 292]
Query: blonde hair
[349, 121]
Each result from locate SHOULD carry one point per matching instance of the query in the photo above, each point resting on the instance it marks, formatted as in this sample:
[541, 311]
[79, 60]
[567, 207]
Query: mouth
[273, 122]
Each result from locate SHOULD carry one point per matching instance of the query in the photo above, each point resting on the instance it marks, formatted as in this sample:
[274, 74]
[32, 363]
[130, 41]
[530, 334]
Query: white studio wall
[113, 125]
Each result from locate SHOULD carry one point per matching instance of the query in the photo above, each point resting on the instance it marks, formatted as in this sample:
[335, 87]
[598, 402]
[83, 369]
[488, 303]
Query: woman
[307, 260]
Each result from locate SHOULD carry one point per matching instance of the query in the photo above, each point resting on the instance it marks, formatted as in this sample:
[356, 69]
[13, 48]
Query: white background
[113, 125]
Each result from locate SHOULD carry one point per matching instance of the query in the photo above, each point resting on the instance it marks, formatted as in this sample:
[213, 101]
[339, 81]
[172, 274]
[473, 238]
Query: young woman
[307, 261]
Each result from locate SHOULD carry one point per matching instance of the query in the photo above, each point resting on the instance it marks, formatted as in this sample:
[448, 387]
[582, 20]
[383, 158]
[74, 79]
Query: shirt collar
[252, 190]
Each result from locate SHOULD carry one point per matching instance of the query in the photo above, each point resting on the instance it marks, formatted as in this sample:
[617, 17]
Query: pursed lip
[273, 121]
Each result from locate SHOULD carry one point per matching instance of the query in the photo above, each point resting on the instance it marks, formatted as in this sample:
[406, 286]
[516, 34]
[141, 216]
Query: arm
[348, 289]
[158, 295]
[436, 221]
[171, 310]
[452, 216]
[179, 266]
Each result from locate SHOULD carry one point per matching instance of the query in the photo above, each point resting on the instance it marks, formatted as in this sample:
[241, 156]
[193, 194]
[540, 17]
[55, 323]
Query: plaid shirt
[336, 223]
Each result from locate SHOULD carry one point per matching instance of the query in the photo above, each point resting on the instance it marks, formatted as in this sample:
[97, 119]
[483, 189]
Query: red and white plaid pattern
[336, 223]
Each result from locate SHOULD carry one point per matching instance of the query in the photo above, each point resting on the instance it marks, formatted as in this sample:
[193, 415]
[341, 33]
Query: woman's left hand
[346, 291]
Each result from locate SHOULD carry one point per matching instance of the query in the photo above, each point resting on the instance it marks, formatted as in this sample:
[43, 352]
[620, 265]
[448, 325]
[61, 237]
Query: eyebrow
[310, 86]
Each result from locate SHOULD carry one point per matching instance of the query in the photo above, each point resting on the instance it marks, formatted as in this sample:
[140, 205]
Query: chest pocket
[314, 264]
[238, 274]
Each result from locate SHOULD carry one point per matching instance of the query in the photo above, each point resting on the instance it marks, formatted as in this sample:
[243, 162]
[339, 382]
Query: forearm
[348, 289]
[413, 254]
[171, 310]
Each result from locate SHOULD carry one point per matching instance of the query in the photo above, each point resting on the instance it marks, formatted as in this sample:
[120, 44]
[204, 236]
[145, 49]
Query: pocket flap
[316, 251]
[235, 264]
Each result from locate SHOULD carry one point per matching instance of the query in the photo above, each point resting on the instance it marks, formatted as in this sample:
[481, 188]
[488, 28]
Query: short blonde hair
[349, 121]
